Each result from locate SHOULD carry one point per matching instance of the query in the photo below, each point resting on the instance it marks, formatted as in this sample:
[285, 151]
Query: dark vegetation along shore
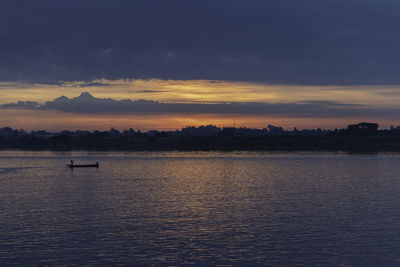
[363, 137]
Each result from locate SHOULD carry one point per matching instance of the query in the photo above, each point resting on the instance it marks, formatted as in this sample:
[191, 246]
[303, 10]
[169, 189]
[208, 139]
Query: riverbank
[368, 143]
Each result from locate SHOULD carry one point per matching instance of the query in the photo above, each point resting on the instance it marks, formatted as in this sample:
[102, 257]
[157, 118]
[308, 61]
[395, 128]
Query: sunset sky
[250, 63]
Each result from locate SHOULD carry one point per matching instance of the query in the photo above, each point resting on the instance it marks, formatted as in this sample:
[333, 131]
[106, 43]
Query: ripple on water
[200, 208]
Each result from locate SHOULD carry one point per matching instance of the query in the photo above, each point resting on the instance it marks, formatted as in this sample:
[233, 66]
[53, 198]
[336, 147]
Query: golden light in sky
[201, 91]
[192, 91]
[55, 121]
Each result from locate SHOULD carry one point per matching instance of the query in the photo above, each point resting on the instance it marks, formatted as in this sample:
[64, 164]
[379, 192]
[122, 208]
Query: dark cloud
[86, 103]
[285, 41]
[95, 84]
[21, 105]
[330, 103]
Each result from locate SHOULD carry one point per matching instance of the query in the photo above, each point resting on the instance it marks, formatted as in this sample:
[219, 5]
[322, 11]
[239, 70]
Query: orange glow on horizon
[202, 91]
[194, 91]
[56, 121]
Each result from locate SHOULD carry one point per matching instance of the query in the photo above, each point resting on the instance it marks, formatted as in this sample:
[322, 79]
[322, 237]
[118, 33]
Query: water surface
[164, 208]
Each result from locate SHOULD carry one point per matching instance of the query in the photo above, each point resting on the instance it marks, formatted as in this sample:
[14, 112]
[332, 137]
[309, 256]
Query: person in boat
[97, 163]
[72, 162]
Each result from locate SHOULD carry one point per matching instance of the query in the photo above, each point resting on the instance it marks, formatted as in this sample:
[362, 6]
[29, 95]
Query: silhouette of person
[72, 162]
[97, 163]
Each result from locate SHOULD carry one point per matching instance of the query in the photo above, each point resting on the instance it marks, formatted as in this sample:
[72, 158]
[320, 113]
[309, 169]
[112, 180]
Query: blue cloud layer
[300, 42]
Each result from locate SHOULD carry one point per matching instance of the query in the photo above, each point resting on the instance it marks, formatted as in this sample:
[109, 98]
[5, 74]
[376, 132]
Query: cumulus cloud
[87, 103]
[21, 105]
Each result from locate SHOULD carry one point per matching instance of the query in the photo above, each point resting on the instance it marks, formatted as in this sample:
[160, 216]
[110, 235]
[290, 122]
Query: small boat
[82, 165]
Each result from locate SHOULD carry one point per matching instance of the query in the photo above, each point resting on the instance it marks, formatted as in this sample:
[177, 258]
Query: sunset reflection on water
[199, 208]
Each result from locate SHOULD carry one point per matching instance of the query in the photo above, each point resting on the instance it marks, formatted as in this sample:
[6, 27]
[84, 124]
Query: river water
[203, 208]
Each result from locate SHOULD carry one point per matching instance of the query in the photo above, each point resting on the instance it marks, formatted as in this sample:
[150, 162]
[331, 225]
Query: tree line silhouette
[357, 137]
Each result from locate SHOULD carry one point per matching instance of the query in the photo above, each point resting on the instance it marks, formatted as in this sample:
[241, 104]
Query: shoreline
[307, 143]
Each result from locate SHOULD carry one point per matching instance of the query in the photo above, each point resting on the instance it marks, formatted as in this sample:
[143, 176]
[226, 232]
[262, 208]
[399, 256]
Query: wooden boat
[82, 165]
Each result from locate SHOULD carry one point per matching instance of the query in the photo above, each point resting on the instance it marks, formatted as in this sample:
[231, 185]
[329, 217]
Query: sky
[167, 64]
